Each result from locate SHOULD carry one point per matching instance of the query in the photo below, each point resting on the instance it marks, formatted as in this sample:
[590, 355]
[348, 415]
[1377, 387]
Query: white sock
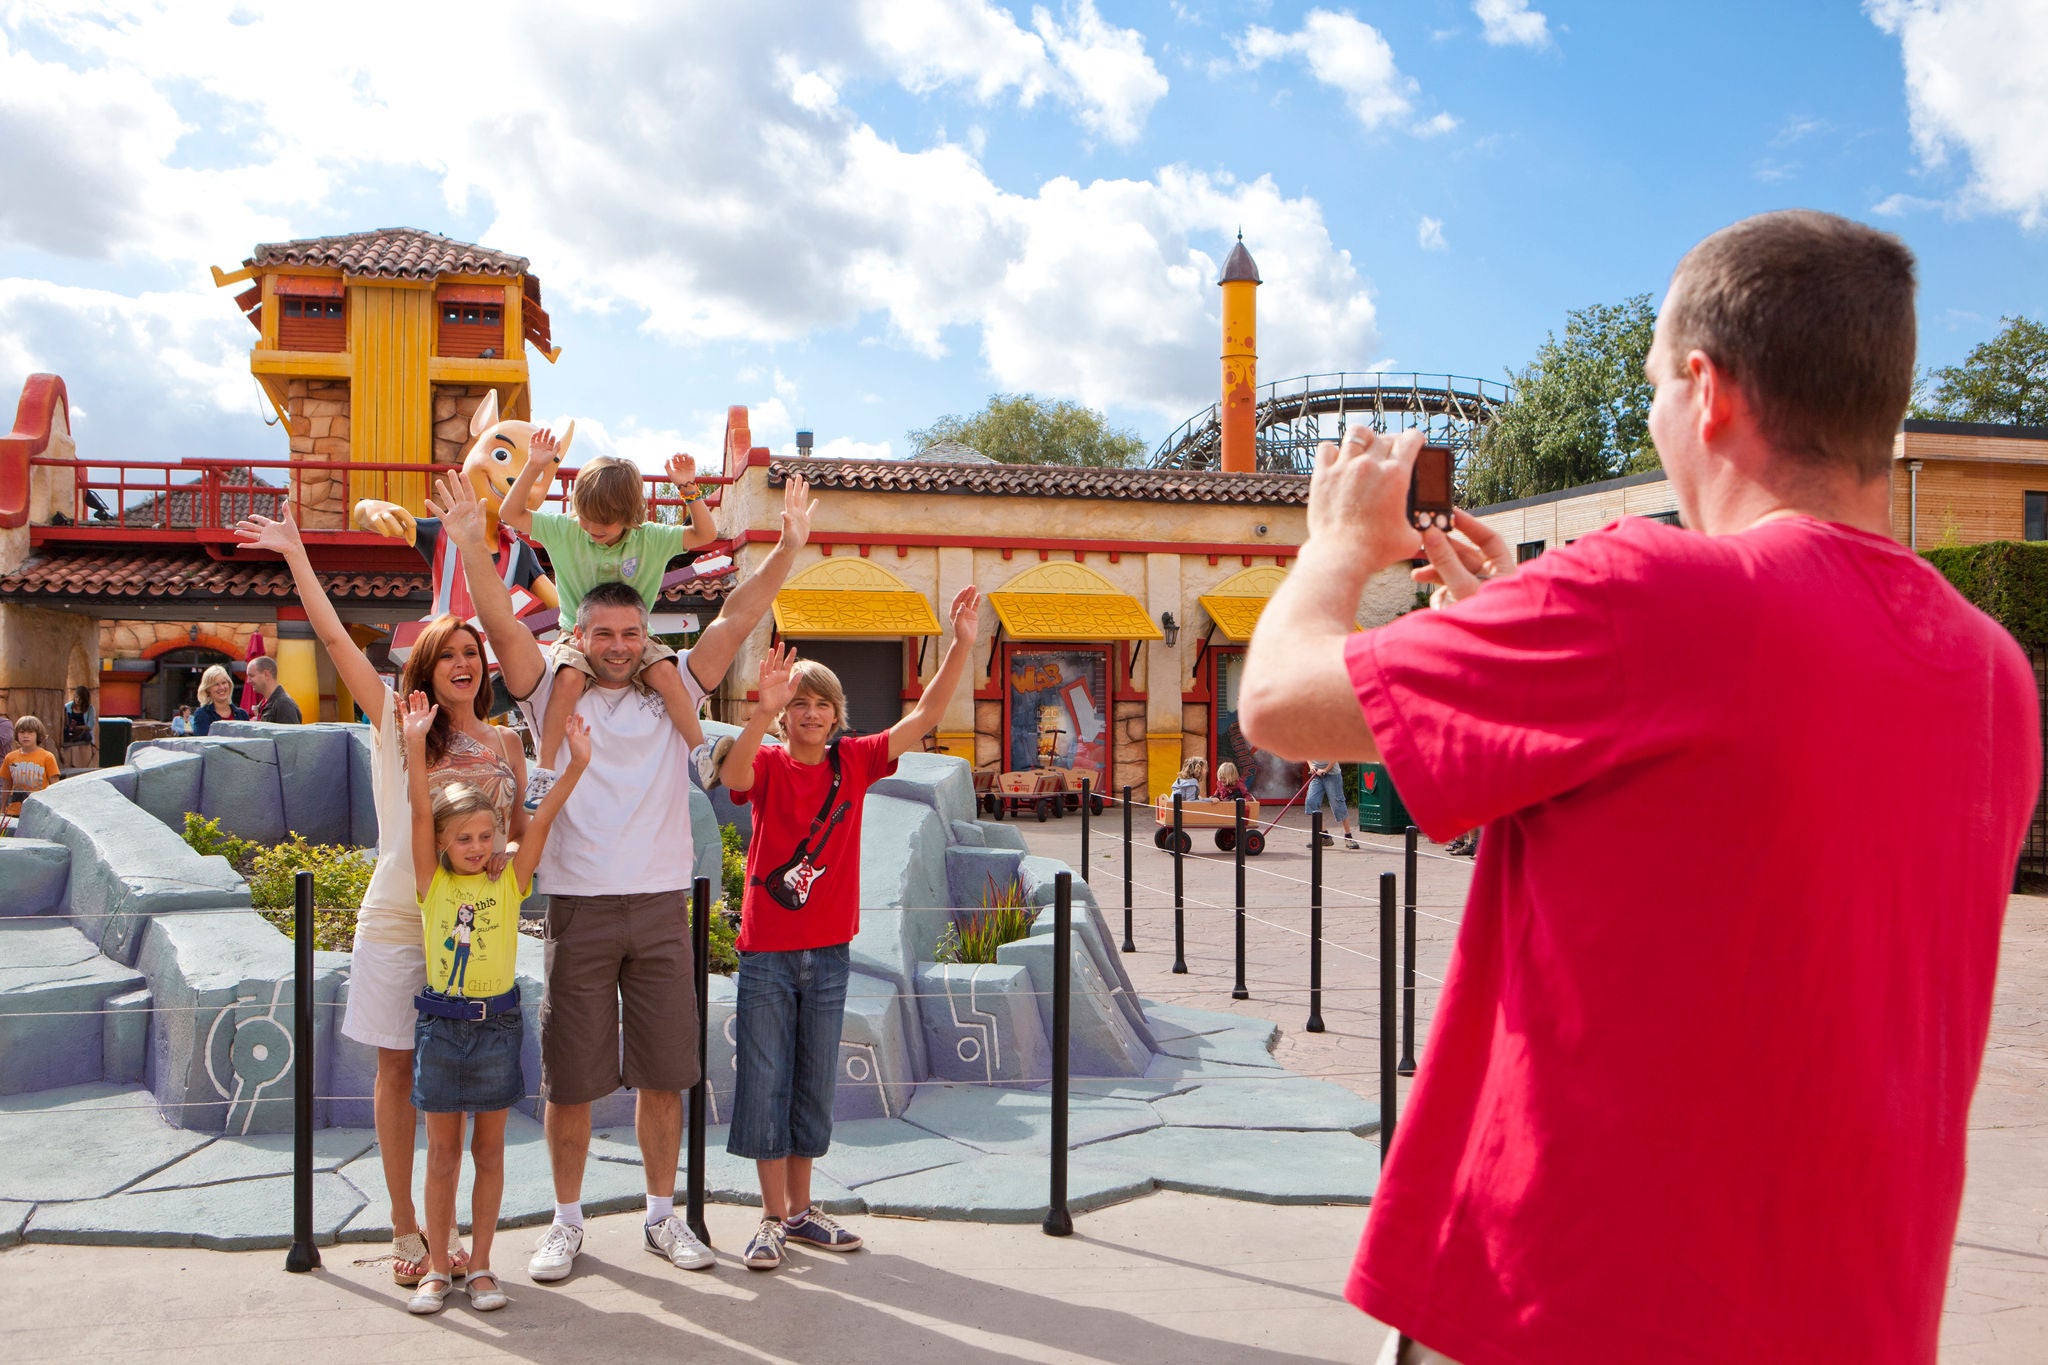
[570, 1215]
[795, 1218]
[659, 1207]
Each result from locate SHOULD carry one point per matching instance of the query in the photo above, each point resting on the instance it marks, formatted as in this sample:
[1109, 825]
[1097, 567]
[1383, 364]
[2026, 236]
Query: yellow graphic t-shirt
[472, 928]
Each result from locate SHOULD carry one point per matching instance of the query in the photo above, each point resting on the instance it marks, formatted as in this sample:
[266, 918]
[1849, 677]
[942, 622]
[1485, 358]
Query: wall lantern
[1171, 626]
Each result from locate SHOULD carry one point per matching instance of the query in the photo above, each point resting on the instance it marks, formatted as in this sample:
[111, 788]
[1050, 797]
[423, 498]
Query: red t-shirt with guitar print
[788, 798]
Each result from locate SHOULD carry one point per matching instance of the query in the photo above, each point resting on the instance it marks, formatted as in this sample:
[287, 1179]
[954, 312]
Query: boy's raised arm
[774, 691]
[540, 453]
[923, 718]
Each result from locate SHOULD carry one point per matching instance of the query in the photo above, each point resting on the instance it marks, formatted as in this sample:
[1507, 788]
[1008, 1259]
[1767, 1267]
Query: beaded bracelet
[692, 493]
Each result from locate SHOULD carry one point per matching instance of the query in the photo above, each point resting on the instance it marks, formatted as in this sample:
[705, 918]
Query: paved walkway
[1997, 1308]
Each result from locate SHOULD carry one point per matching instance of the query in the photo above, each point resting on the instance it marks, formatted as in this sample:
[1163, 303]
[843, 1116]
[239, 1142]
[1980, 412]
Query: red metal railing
[203, 498]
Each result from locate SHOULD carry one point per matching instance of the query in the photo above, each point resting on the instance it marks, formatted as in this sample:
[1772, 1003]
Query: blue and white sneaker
[764, 1248]
[539, 782]
[819, 1229]
[707, 758]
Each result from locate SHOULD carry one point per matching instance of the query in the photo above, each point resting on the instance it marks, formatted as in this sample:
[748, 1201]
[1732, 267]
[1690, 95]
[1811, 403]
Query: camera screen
[1433, 478]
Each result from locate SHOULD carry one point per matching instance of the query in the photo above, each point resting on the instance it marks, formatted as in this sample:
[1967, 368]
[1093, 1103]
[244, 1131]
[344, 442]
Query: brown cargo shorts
[614, 960]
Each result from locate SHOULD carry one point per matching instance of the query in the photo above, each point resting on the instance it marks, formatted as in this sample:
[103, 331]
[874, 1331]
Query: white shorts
[383, 978]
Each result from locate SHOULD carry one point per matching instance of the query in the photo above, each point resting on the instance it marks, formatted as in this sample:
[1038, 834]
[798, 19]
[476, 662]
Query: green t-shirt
[640, 557]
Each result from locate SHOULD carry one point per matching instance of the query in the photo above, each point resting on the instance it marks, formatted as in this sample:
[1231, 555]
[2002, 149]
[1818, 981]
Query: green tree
[1021, 428]
[1581, 410]
[2004, 379]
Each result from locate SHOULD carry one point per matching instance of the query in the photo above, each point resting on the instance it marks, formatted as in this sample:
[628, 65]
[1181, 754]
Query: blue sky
[860, 216]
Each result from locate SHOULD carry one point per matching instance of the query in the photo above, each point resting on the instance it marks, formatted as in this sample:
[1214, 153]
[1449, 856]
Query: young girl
[1188, 785]
[467, 1038]
[1229, 786]
[801, 909]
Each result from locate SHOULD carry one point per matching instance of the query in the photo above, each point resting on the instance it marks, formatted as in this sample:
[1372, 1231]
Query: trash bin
[1379, 806]
[116, 732]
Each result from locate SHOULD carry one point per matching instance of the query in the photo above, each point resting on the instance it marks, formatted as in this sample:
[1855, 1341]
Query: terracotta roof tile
[158, 575]
[240, 493]
[393, 253]
[1069, 481]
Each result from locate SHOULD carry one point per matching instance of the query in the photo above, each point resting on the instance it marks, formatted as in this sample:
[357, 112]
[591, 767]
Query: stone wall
[454, 405]
[320, 431]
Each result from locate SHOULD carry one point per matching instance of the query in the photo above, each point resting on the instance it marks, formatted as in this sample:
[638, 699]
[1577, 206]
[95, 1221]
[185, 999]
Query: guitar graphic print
[790, 884]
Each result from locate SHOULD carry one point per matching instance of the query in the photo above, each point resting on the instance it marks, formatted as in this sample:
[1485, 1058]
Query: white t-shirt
[625, 830]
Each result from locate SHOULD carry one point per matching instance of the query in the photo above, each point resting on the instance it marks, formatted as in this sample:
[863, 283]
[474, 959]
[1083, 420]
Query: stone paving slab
[243, 1216]
[1006, 1189]
[13, 1217]
[1127, 1087]
[529, 1185]
[867, 1150]
[1019, 1122]
[728, 1179]
[1271, 1168]
[1165, 1068]
[1237, 1047]
[1289, 1103]
[254, 1158]
[1180, 1021]
[84, 1142]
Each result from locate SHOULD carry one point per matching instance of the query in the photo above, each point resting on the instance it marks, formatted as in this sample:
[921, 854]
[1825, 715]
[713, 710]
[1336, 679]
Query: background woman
[447, 663]
[216, 700]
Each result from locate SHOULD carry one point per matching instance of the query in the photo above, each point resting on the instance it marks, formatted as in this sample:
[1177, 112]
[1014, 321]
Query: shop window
[472, 322]
[1058, 709]
[870, 672]
[1527, 551]
[312, 324]
[2037, 516]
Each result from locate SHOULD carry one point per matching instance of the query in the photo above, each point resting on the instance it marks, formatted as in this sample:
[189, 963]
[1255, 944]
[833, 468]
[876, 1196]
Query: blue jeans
[791, 1007]
[1327, 793]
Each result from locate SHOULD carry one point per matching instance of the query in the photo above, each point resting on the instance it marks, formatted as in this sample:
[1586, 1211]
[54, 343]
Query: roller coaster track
[1454, 408]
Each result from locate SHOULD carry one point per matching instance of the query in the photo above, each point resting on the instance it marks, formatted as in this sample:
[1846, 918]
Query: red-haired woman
[389, 965]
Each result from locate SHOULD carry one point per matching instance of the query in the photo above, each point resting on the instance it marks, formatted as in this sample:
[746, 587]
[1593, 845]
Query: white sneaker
[556, 1254]
[671, 1237]
[708, 758]
[539, 782]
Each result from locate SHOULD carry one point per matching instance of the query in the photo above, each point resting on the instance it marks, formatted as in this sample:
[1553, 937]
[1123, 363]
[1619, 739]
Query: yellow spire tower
[1240, 359]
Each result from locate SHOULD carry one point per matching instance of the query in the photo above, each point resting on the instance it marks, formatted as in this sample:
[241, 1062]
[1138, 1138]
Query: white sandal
[431, 1294]
[490, 1300]
[411, 1249]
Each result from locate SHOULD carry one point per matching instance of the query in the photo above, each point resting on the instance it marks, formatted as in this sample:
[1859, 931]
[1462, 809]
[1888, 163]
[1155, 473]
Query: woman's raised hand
[266, 533]
[416, 717]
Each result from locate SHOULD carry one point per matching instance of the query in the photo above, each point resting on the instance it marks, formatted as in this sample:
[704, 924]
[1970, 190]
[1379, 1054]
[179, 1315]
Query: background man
[1698, 1084]
[277, 706]
[616, 873]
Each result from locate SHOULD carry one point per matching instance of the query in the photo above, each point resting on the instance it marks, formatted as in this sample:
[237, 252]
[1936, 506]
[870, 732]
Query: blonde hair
[215, 673]
[816, 680]
[453, 801]
[1197, 768]
[1226, 773]
[30, 725]
[610, 491]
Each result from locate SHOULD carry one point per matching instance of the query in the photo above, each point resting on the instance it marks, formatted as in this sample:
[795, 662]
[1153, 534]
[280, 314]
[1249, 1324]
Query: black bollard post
[1180, 950]
[1058, 1221]
[303, 1256]
[700, 1093]
[1237, 991]
[1407, 1067]
[1389, 943]
[1087, 799]
[1315, 922]
[1130, 944]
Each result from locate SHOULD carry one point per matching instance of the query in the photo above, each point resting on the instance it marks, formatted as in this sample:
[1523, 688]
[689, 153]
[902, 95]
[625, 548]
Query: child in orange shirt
[30, 767]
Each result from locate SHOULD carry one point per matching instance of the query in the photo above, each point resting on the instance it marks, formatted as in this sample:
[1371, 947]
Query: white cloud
[1896, 205]
[1511, 23]
[1342, 52]
[1433, 127]
[1977, 81]
[654, 165]
[1099, 70]
[1429, 234]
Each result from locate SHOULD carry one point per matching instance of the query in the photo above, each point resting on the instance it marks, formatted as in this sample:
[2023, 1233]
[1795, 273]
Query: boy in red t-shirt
[801, 910]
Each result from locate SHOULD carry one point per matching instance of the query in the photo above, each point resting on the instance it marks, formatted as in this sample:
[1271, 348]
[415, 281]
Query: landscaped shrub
[209, 840]
[340, 876]
[2007, 580]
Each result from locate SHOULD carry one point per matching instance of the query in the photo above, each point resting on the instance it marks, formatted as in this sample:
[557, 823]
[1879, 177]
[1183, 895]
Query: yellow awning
[1073, 616]
[802, 613]
[1234, 616]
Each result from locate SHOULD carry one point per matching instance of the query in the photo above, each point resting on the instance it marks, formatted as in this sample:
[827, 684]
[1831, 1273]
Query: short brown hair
[30, 725]
[815, 680]
[610, 491]
[1812, 316]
